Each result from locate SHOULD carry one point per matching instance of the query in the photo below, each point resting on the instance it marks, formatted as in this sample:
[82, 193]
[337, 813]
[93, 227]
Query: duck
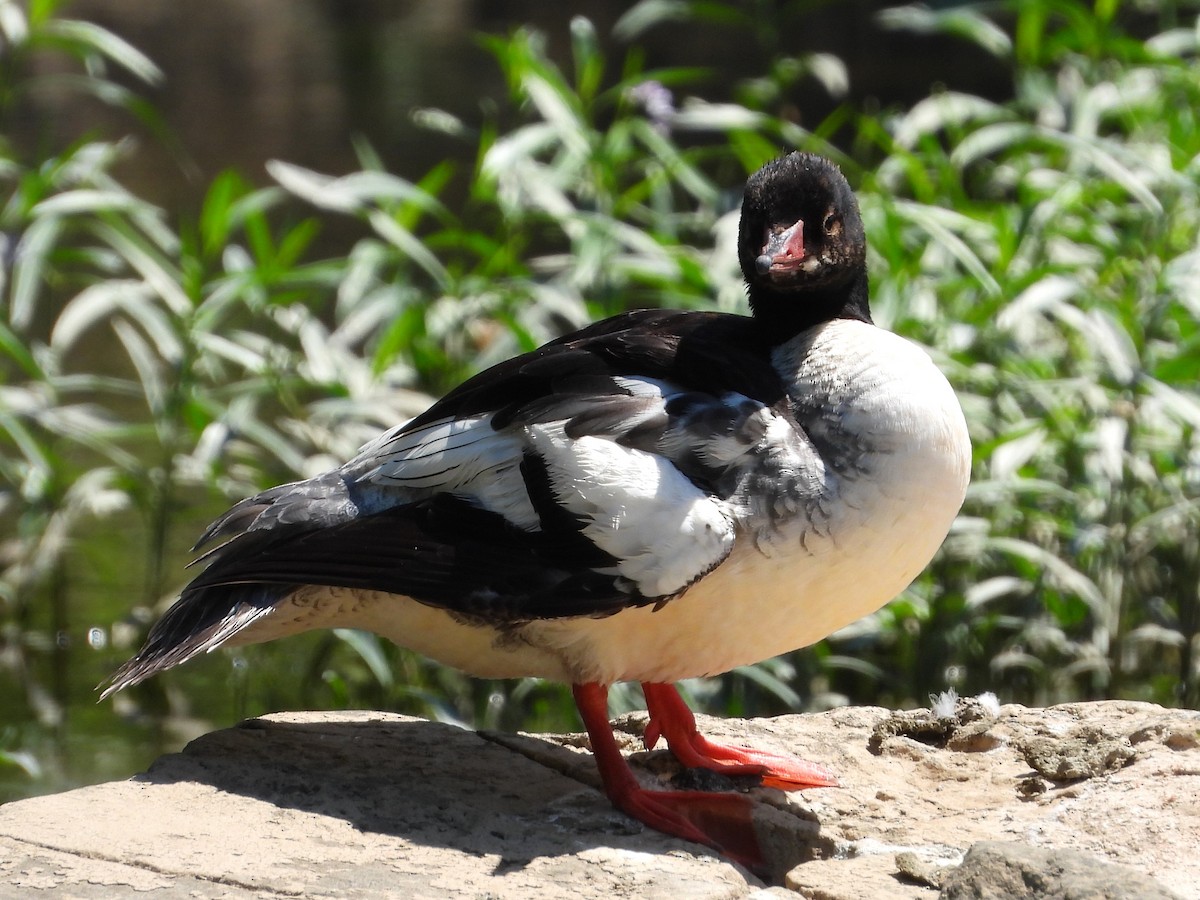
[658, 496]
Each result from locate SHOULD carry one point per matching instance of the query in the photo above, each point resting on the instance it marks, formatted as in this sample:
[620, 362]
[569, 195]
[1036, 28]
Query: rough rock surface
[1021, 872]
[373, 805]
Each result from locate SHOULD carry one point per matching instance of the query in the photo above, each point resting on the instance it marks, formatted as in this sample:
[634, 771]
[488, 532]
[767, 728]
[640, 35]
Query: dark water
[297, 80]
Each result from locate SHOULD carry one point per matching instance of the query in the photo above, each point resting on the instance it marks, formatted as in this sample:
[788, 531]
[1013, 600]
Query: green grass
[1044, 247]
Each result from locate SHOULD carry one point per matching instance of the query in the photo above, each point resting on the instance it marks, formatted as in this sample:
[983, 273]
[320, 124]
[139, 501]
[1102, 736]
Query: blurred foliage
[1044, 248]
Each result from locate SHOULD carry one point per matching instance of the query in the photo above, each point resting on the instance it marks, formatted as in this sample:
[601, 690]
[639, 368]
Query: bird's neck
[784, 314]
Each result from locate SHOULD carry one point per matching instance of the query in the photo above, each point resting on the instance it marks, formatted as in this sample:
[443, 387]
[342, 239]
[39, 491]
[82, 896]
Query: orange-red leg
[670, 718]
[720, 821]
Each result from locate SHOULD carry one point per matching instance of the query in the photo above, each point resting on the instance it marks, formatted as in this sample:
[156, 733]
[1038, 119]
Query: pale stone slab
[914, 786]
[352, 805]
[373, 805]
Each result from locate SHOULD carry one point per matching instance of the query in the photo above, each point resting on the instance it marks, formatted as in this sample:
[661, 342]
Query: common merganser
[658, 496]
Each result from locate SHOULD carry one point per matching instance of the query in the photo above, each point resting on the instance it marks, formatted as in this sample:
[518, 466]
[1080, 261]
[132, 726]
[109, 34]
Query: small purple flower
[656, 101]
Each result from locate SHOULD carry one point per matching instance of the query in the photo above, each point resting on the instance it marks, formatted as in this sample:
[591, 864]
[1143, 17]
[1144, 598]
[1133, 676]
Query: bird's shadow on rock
[424, 783]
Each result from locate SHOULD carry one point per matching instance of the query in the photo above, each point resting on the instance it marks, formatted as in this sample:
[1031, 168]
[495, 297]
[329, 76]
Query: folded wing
[567, 482]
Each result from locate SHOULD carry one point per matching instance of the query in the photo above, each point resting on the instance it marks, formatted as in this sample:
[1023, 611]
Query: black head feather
[802, 246]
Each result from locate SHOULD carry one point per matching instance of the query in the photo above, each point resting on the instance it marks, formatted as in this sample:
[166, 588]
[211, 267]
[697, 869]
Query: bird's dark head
[801, 242]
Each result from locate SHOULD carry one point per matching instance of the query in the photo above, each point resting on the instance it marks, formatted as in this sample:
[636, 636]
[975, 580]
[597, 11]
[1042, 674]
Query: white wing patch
[638, 507]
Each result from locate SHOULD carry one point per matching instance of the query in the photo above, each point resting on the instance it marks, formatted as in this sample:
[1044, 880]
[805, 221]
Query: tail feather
[199, 622]
[211, 612]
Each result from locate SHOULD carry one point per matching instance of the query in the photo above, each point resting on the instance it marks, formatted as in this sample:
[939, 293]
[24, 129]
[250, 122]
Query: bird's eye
[831, 223]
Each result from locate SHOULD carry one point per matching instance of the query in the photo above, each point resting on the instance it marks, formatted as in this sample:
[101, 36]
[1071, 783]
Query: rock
[921, 871]
[1006, 871]
[375, 805]
[369, 804]
[1082, 753]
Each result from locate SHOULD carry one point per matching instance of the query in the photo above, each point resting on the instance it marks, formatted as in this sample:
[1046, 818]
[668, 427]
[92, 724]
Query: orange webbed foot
[670, 718]
[722, 821]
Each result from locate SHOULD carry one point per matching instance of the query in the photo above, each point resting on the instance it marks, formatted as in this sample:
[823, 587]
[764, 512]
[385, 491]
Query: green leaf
[86, 201]
[966, 23]
[92, 38]
[14, 27]
[589, 62]
[357, 192]
[370, 650]
[216, 219]
[648, 14]
[149, 262]
[150, 374]
[29, 264]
